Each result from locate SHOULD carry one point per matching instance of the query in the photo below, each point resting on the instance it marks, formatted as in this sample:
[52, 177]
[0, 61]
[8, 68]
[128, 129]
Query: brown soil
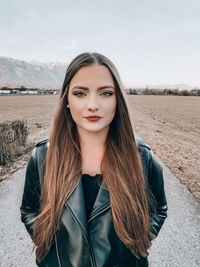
[38, 111]
[169, 124]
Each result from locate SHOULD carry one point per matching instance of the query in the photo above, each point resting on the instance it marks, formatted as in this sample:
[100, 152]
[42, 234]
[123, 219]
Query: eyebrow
[99, 88]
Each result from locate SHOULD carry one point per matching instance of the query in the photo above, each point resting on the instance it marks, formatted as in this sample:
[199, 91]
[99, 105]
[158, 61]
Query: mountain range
[49, 75]
[31, 74]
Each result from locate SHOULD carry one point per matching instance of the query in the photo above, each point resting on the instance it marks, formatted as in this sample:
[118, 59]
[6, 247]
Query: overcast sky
[150, 41]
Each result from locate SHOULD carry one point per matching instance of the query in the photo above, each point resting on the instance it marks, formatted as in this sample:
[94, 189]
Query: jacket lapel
[101, 203]
[76, 204]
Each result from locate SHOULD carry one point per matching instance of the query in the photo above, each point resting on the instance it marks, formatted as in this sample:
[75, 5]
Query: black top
[90, 188]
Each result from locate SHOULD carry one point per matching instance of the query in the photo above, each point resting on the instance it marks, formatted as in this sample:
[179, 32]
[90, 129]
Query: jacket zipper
[59, 262]
[92, 257]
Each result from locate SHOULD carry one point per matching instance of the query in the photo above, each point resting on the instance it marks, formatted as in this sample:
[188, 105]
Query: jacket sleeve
[156, 183]
[31, 196]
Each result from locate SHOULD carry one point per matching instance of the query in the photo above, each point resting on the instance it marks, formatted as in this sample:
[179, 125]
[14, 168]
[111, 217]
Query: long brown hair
[121, 169]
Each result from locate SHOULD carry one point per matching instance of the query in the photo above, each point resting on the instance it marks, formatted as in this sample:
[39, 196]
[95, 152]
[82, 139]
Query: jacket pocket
[130, 262]
[133, 262]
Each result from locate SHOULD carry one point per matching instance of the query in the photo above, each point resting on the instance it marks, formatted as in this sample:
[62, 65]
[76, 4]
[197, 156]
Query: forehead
[95, 74]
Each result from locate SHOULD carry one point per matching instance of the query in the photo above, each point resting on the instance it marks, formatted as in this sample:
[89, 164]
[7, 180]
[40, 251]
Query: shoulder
[145, 156]
[41, 148]
[36, 163]
[39, 151]
[43, 142]
[146, 152]
[142, 145]
[150, 163]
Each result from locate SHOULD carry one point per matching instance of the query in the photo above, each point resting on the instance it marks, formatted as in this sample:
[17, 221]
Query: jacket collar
[76, 204]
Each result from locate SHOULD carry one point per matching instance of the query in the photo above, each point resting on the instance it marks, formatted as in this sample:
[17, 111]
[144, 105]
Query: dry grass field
[170, 124]
[37, 110]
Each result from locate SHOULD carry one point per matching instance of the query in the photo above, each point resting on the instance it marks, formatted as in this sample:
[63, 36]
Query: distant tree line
[131, 91]
[151, 91]
[27, 90]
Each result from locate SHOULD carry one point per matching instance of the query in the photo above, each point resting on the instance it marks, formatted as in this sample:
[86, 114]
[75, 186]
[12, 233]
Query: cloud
[70, 45]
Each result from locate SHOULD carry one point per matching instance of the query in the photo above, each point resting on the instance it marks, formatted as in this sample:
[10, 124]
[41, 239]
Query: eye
[107, 93]
[79, 94]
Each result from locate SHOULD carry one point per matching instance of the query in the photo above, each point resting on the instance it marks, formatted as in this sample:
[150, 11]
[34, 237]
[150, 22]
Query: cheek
[113, 105]
[110, 108]
[75, 105]
[75, 110]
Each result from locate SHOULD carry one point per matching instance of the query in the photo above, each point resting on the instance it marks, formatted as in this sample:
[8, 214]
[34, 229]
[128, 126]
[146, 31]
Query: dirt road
[177, 243]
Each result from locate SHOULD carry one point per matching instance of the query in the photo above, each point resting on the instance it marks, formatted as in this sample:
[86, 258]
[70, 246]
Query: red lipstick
[93, 118]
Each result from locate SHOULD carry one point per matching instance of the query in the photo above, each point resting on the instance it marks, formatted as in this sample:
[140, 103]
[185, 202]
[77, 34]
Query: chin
[95, 128]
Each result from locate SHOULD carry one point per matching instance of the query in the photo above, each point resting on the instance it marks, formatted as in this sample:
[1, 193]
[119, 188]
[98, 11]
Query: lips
[93, 118]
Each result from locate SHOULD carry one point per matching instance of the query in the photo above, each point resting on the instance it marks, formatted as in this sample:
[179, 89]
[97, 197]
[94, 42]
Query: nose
[93, 104]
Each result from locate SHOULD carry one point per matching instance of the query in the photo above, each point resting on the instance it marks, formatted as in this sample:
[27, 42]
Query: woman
[93, 196]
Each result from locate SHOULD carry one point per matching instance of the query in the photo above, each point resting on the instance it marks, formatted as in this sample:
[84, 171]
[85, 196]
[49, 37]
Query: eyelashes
[81, 94]
[107, 93]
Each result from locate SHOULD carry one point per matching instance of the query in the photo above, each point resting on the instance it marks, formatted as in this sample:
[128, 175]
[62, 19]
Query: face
[92, 98]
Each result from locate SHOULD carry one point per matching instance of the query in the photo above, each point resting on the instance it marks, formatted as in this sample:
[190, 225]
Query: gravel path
[178, 243]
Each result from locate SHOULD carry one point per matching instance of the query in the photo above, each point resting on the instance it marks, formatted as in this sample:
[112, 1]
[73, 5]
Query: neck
[92, 140]
[92, 149]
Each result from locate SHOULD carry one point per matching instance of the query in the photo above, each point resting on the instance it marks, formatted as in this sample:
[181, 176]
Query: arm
[31, 196]
[156, 183]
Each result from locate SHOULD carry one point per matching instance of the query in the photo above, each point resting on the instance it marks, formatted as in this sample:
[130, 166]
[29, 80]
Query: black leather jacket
[82, 243]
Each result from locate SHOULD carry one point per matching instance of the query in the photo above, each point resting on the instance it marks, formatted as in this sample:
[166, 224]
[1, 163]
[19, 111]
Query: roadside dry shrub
[155, 91]
[185, 93]
[13, 138]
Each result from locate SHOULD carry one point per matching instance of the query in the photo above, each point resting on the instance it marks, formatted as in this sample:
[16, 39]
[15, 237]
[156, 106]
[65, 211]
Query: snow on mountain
[15, 72]
[18, 73]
